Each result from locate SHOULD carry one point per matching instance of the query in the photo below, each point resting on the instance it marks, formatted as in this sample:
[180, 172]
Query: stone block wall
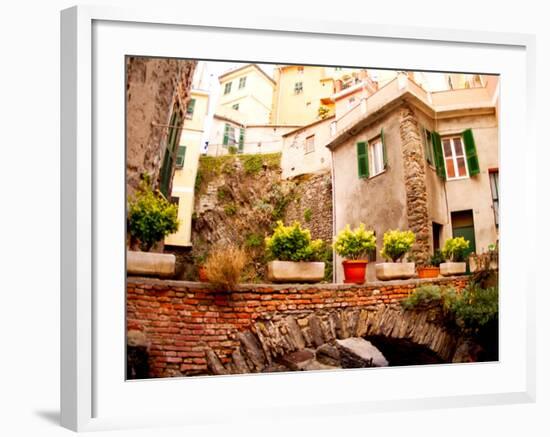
[183, 322]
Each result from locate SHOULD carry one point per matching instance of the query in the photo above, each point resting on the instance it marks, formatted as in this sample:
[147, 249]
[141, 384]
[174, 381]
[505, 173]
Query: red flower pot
[428, 272]
[203, 277]
[354, 271]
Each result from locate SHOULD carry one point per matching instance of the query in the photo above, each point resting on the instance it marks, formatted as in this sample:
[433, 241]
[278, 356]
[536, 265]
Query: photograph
[284, 217]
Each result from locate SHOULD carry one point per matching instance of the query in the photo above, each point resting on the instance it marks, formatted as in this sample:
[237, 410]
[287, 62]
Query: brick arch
[268, 340]
[189, 325]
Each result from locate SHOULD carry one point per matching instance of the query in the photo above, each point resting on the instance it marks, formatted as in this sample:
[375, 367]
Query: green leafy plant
[454, 249]
[151, 217]
[426, 295]
[355, 244]
[252, 163]
[253, 240]
[397, 244]
[292, 243]
[232, 150]
[436, 259]
[307, 215]
[230, 209]
[323, 111]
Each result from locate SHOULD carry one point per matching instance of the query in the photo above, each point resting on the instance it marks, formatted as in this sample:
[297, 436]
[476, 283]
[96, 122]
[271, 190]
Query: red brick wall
[180, 319]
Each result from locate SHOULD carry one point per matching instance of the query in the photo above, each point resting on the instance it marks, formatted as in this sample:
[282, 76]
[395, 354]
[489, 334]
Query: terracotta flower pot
[203, 277]
[354, 271]
[428, 272]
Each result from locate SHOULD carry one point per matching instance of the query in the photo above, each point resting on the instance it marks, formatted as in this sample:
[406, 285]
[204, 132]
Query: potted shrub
[354, 246]
[396, 245]
[225, 264]
[150, 218]
[431, 270]
[294, 255]
[454, 253]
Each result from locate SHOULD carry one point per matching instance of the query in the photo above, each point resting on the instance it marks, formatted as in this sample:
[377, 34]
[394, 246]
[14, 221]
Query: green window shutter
[191, 107]
[180, 159]
[427, 152]
[241, 140]
[362, 160]
[471, 153]
[438, 155]
[226, 134]
[384, 153]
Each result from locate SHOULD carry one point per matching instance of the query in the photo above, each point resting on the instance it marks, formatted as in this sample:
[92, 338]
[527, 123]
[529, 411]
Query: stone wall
[152, 87]
[312, 205]
[415, 182]
[185, 324]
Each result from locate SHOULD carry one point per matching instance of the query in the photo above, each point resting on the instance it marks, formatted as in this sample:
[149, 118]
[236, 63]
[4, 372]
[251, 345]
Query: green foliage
[230, 209]
[475, 307]
[397, 244]
[252, 163]
[272, 160]
[232, 150]
[436, 259]
[253, 240]
[292, 243]
[198, 181]
[470, 310]
[307, 215]
[279, 207]
[355, 244]
[323, 112]
[151, 217]
[223, 193]
[455, 249]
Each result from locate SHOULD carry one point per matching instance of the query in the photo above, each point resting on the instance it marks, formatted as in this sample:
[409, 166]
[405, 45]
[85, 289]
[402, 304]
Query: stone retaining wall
[182, 321]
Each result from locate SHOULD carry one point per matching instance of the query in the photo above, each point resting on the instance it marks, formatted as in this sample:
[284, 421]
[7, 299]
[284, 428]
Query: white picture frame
[89, 360]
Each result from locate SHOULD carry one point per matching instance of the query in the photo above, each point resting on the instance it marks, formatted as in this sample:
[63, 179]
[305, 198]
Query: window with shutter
[384, 152]
[172, 140]
[227, 88]
[362, 160]
[428, 146]
[190, 109]
[438, 155]
[241, 140]
[226, 134]
[471, 152]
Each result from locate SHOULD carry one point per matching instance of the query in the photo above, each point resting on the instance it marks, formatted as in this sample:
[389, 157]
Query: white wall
[29, 77]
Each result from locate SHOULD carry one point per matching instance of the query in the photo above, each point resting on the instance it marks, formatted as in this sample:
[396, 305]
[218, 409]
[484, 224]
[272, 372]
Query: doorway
[463, 226]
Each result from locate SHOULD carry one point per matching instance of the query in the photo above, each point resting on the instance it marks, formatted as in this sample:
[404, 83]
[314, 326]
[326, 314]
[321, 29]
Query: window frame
[494, 182]
[190, 110]
[306, 150]
[235, 108]
[227, 88]
[242, 82]
[376, 156]
[298, 89]
[454, 157]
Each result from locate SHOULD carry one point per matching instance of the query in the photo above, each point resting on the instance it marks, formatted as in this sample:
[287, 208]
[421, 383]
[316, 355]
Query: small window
[493, 180]
[455, 158]
[190, 109]
[298, 88]
[310, 144]
[180, 159]
[242, 82]
[376, 158]
[227, 88]
[229, 135]
[236, 106]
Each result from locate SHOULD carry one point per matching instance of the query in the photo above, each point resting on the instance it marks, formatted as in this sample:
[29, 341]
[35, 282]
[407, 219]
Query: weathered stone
[252, 349]
[316, 331]
[467, 352]
[239, 362]
[316, 365]
[328, 354]
[357, 352]
[214, 363]
[297, 360]
[295, 333]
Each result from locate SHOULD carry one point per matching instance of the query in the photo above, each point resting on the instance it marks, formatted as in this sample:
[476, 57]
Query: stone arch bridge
[191, 329]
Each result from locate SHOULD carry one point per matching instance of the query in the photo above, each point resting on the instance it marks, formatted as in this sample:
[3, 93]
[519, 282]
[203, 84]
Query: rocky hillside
[238, 200]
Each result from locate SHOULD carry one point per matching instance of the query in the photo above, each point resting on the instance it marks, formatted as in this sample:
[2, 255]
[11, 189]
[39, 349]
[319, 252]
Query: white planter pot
[389, 271]
[451, 268]
[150, 264]
[290, 271]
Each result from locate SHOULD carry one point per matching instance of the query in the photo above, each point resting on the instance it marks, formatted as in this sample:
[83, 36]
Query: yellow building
[187, 161]
[300, 92]
[247, 90]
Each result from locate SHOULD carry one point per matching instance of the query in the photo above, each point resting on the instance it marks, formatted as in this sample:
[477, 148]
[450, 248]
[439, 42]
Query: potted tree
[354, 246]
[454, 252]
[431, 269]
[150, 218]
[294, 256]
[396, 245]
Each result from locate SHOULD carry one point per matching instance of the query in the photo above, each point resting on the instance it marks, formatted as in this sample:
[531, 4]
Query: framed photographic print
[325, 217]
